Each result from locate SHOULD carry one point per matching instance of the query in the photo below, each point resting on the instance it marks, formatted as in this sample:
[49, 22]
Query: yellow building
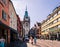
[52, 23]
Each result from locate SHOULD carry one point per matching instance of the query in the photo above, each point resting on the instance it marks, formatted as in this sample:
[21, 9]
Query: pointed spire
[26, 7]
[26, 12]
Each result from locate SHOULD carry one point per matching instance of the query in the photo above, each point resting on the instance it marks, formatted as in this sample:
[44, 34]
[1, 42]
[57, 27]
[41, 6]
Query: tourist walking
[34, 40]
[2, 42]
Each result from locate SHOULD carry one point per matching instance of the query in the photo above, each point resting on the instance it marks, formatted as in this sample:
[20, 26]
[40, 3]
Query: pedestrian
[34, 40]
[2, 42]
[31, 40]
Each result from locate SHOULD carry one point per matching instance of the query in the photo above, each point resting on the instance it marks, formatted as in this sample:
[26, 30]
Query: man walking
[34, 40]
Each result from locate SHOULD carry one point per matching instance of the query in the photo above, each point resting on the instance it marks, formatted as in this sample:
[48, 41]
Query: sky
[38, 10]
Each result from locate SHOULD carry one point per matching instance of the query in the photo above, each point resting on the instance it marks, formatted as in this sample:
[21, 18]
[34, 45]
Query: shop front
[45, 35]
[8, 33]
[58, 35]
[13, 35]
[4, 33]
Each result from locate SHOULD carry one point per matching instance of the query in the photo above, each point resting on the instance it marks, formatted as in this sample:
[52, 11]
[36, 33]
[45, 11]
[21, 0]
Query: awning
[13, 30]
[6, 26]
[3, 25]
[45, 33]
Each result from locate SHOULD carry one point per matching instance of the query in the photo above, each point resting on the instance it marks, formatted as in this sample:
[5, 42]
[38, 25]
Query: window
[55, 28]
[55, 15]
[58, 26]
[48, 20]
[51, 18]
[58, 19]
[4, 1]
[50, 23]
[3, 15]
[26, 24]
[58, 12]
[55, 21]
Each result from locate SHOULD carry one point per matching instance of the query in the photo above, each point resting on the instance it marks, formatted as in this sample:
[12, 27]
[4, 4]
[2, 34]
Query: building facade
[51, 26]
[8, 22]
[26, 23]
[12, 22]
[19, 26]
[4, 20]
[38, 33]
[13, 16]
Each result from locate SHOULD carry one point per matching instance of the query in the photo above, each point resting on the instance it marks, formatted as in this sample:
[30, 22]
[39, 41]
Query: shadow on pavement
[18, 43]
[23, 44]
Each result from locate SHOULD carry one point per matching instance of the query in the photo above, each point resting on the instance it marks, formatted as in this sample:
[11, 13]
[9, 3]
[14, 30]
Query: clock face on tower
[26, 19]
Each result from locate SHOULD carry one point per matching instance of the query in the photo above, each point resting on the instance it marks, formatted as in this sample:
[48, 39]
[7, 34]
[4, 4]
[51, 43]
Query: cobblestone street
[45, 43]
